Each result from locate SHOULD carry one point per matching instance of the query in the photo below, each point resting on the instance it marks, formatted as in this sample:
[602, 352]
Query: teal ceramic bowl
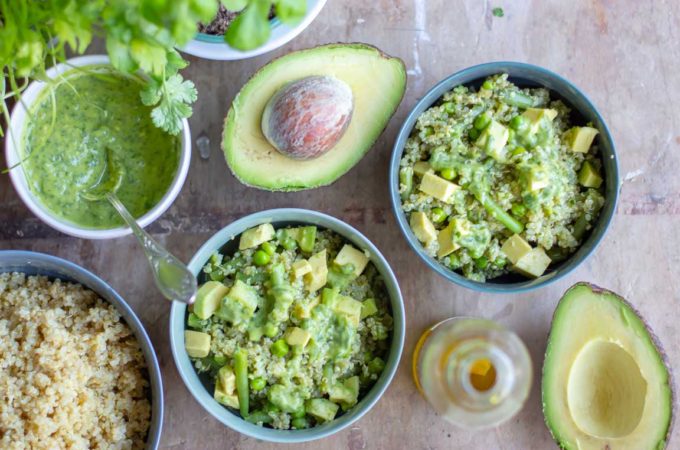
[227, 240]
[583, 110]
[32, 263]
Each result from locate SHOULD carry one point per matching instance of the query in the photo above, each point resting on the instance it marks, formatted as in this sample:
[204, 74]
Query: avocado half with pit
[377, 82]
[605, 384]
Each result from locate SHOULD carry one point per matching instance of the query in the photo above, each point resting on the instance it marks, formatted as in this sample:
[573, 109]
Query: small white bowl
[213, 47]
[14, 139]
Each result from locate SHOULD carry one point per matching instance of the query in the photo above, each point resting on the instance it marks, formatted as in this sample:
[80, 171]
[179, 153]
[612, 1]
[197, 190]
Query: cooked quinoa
[304, 354]
[72, 374]
[497, 162]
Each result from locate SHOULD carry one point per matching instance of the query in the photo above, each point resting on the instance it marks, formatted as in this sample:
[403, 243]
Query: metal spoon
[173, 278]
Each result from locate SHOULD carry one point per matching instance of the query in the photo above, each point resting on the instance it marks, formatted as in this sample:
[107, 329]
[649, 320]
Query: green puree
[66, 143]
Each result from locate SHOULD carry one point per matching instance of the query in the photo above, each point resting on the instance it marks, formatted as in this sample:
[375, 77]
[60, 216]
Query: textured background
[623, 54]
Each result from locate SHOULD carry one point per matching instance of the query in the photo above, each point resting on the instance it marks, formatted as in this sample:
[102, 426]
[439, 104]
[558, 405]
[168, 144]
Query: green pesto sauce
[66, 144]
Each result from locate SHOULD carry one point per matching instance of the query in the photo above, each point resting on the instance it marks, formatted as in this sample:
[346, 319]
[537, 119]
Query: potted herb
[247, 28]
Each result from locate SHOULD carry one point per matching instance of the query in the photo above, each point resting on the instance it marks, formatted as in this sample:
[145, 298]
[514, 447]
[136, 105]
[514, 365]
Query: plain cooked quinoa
[72, 374]
[485, 166]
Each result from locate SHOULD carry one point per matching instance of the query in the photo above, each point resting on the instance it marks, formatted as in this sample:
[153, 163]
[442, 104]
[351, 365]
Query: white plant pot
[14, 140]
[213, 47]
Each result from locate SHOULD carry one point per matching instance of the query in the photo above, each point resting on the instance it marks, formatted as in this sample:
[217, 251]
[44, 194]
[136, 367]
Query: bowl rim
[218, 50]
[233, 421]
[14, 140]
[483, 70]
[72, 272]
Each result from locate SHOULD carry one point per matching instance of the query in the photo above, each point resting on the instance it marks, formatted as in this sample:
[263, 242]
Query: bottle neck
[477, 375]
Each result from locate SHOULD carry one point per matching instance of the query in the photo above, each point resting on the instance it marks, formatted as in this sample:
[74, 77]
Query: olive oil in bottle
[474, 372]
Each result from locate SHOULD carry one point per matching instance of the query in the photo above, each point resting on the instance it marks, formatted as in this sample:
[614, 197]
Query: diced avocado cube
[536, 178]
[330, 297]
[322, 409]
[588, 176]
[350, 308]
[438, 187]
[285, 398]
[208, 299]
[493, 140]
[368, 308]
[422, 227]
[304, 310]
[579, 139]
[515, 248]
[256, 236]
[197, 343]
[297, 336]
[421, 168]
[225, 398]
[226, 379]
[233, 311]
[339, 393]
[534, 263]
[536, 115]
[446, 242]
[244, 294]
[301, 267]
[350, 255]
[316, 279]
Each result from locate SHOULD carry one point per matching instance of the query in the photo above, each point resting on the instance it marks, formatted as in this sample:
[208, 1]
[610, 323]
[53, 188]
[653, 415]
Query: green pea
[428, 131]
[289, 243]
[260, 258]
[376, 365]
[298, 414]
[280, 348]
[473, 134]
[268, 248]
[448, 174]
[518, 209]
[488, 85]
[482, 121]
[270, 330]
[257, 384]
[438, 215]
[482, 262]
[449, 107]
[518, 123]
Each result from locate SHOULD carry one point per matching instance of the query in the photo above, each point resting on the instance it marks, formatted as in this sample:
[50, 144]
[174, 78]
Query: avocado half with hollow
[605, 384]
[377, 82]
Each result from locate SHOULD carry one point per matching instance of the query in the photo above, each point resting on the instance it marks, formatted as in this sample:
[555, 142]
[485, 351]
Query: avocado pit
[306, 118]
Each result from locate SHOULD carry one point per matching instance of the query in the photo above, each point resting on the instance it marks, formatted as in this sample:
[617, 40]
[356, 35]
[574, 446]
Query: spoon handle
[173, 278]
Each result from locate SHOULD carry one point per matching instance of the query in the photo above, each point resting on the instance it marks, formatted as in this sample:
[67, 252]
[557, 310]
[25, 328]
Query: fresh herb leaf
[251, 28]
[175, 95]
[290, 11]
[234, 5]
[498, 12]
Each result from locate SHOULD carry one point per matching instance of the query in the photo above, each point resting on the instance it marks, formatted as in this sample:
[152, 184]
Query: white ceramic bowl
[14, 139]
[214, 47]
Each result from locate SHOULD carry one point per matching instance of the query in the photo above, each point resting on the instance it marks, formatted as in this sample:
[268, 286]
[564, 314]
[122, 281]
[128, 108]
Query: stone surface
[624, 55]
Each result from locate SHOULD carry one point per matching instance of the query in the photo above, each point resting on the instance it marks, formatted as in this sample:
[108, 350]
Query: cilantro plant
[251, 28]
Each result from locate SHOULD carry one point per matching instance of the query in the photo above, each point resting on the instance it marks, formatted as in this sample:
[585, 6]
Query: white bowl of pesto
[56, 150]
[213, 47]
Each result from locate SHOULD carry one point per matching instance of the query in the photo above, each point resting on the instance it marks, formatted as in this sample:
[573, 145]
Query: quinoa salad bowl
[297, 328]
[78, 369]
[504, 177]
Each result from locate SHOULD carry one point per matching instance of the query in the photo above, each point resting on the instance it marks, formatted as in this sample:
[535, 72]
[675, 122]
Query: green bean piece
[488, 85]
[482, 121]
[261, 258]
[300, 423]
[280, 348]
[241, 372]
[307, 238]
[438, 215]
[473, 134]
[277, 275]
[259, 416]
[580, 227]
[194, 322]
[498, 213]
[268, 248]
[557, 254]
[298, 414]
[257, 384]
[517, 98]
[406, 181]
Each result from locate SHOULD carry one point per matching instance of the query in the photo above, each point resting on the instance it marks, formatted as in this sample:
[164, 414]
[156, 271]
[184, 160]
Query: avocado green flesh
[69, 141]
[377, 82]
[605, 383]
